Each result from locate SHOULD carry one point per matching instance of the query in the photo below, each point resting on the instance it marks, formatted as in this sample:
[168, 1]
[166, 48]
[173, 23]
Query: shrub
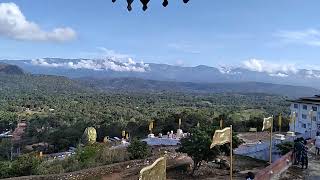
[51, 167]
[109, 156]
[25, 165]
[138, 149]
[5, 169]
[285, 147]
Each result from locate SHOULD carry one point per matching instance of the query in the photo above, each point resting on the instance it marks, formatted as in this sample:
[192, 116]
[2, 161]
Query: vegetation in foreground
[58, 110]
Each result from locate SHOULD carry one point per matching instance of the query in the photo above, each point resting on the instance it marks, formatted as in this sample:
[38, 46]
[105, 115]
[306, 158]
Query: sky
[253, 33]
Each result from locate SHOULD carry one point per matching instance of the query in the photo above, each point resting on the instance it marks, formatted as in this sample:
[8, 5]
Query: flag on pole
[267, 123]
[280, 122]
[151, 126]
[221, 137]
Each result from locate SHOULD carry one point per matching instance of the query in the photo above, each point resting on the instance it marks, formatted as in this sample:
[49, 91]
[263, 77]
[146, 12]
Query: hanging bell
[165, 3]
[129, 4]
[145, 4]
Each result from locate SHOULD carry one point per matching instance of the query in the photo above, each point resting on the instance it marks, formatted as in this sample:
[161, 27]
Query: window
[314, 118]
[314, 108]
[295, 106]
[305, 107]
[303, 125]
[304, 116]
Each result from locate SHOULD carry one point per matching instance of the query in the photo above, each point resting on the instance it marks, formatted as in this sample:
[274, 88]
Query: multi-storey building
[307, 115]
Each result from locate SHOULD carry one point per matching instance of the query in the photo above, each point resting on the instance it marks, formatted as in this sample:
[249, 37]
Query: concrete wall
[275, 168]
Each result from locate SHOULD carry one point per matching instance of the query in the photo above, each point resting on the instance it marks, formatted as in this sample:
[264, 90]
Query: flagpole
[271, 128]
[280, 122]
[231, 163]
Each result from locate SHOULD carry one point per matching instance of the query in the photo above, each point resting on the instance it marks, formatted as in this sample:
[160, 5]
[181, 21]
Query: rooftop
[308, 100]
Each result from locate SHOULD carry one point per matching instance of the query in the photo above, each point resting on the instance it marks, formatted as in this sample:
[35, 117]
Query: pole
[311, 115]
[231, 163]
[280, 122]
[294, 122]
[271, 128]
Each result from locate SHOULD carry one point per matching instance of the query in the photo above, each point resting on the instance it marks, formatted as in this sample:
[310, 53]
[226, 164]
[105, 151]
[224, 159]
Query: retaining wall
[275, 168]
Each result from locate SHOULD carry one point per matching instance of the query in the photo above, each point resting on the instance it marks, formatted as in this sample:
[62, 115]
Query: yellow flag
[151, 126]
[123, 133]
[280, 120]
[156, 171]
[221, 137]
[221, 123]
[267, 123]
[293, 117]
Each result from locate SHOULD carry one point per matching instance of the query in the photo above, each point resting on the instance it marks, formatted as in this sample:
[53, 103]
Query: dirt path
[312, 173]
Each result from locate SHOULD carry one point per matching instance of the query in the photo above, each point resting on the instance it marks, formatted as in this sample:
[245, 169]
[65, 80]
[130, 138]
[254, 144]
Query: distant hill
[10, 69]
[108, 68]
[141, 85]
[10, 83]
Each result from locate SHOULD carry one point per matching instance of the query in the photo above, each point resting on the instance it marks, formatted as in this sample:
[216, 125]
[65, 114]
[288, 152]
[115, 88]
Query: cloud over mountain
[14, 25]
[96, 65]
[273, 69]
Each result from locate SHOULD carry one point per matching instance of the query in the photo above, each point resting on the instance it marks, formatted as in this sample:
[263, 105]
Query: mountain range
[112, 75]
[13, 77]
[108, 68]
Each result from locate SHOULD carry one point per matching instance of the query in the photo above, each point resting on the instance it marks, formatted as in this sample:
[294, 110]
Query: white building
[305, 109]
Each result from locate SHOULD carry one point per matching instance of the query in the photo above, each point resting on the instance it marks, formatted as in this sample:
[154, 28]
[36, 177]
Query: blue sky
[210, 32]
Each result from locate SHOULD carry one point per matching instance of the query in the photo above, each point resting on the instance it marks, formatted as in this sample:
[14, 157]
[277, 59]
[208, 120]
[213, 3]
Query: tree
[138, 149]
[5, 148]
[197, 146]
[25, 165]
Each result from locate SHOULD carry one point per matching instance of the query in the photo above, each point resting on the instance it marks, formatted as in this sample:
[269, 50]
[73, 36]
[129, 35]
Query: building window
[314, 108]
[314, 118]
[304, 116]
[304, 126]
[295, 106]
[305, 107]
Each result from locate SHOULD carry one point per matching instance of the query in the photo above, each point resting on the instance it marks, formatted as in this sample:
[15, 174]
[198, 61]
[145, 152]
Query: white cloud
[310, 37]
[279, 75]
[13, 24]
[184, 47]
[273, 69]
[312, 74]
[97, 65]
[112, 53]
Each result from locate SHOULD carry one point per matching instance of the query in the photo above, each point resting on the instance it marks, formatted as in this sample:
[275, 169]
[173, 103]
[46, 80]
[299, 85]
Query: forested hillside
[141, 85]
[57, 109]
